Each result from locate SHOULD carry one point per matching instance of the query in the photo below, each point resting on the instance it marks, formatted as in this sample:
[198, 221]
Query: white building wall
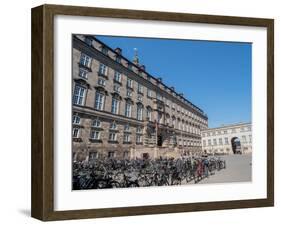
[218, 140]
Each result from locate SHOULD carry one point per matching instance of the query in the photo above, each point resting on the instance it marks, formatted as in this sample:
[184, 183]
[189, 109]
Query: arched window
[139, 112]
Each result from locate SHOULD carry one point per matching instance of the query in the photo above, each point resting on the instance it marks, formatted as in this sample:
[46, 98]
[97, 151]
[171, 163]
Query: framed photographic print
[141, 112]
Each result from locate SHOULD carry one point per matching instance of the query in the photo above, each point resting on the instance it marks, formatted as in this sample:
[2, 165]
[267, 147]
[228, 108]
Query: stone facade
[229, 139]
[120, 110]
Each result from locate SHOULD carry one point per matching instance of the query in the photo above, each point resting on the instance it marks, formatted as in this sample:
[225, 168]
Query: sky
[215, 76]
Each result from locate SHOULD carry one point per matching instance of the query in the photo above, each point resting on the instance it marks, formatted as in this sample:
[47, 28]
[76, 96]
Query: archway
[236, 145]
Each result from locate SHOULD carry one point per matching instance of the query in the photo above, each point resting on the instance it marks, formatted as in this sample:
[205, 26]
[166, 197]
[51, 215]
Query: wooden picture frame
[43, 108]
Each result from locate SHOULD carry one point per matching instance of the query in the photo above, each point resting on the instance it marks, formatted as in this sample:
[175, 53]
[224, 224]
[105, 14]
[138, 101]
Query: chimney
[118, 50]
[142, 67]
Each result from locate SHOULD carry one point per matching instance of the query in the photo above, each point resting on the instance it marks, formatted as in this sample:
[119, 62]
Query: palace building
[122, 111]
[228, 139]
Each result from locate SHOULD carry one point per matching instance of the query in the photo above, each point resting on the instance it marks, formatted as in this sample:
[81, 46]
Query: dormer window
[104, 50]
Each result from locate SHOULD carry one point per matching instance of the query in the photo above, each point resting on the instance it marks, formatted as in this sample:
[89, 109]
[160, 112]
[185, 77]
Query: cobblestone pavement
[238, 169]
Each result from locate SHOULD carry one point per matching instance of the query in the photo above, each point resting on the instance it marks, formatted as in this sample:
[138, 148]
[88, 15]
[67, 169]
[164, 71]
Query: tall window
[115, 106]
[204, 143]
[113, 126]
[129, 93]
[244, 139]
[226, 140]
[99, 102]
[102, 69]
[127, 137]
[159, 96]
[85, 60]
[250, 138]
[83, 73]
[128, 109]
[215, 141]
[113, 136]
[117, 76]
[140, 88]
[75, 132]
[139, 112]
[209, 142]
[129, 83]
[220, 141]
[79, 95]
[149, 93]
[139, 138]
[76, 119]
[95, 135]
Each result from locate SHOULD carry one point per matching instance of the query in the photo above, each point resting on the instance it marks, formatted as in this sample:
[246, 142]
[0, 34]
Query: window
[215, 141]
[130, 66]
[226, 140]
[127, 128]
[139, 98]
[96, 123]
[113, 126]
[101, 82]
[95, 135]
[220, 141]
[79, 95]
[167, 103]
[242, 129]
[209, 142]
[139, 112]
[225, 131]
[204, 143]
[148, 114]
[118, 59]
[88, 41]
[140, 88]
[93, 155]
[174, 122]
[116, 88]
[128, 109]
[126, 154]
[104, 50]
[178, 108]
[99, 102]
[75, 132]
[111, 154]
[115, 106]
[102, 69]
[159, 96]
[85, 60]
[173, 106]
[250, 138]
[76, 119]
[244, 139]
[139, 129]
[149, 93]
[233, 130]
[129, 93]
[112, 136]
[117, 76]
[139, 138]
[127, 137]
[129, 83]
[83, 73]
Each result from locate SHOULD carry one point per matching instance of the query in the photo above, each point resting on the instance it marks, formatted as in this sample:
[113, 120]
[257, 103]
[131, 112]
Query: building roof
[148, 74]
[228, 125]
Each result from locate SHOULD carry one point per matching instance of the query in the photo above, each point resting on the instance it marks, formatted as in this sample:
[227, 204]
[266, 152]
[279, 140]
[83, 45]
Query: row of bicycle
[112, 173]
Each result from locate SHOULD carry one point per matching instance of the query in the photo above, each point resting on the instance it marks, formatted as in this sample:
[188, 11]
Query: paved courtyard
[238, 169]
